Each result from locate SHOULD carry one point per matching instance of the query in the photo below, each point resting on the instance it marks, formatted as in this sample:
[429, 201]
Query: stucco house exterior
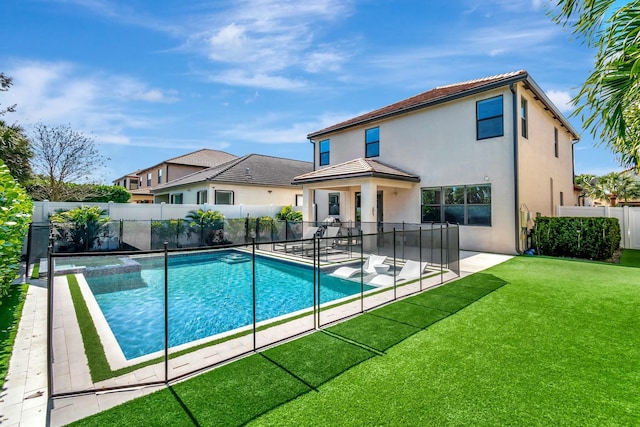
[141, 182]
[253, 179]
[488, 154]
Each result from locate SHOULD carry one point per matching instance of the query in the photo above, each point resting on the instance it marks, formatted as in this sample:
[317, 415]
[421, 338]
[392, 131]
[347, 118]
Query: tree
[62, 155]
[15, 151]
[5, 84]
[611, 188]
[81, 227]
[611, 94]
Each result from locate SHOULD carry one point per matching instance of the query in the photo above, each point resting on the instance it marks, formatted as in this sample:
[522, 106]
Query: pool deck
[23, 401]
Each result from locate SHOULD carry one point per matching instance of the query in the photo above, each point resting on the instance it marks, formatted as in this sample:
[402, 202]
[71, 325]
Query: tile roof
[254, 169]
[356, 168]
[442, 94]
[204, 157]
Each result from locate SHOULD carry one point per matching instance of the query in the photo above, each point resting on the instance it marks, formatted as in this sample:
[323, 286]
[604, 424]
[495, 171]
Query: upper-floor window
[159, 176]
[489, 118]
[149, 179]
[334, 203]
[324, 151]
[372, 142]
[461, 204]
[176, 199]
[224, 197]
[524, 116]
[555, 141]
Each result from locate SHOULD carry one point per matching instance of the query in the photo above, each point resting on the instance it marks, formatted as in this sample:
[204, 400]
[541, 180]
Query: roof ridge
[481, 79]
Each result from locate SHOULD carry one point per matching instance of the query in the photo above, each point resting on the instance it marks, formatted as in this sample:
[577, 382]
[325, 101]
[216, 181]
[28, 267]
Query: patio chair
[367, 268]
[410, 270]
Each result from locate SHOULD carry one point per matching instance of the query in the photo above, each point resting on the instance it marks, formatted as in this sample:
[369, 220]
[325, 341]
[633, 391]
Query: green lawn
[10, 311]
[534, 341]
[630, 258]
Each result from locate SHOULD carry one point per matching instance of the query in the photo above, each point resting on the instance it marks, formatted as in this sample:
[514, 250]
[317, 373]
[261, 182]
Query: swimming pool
[208, 294]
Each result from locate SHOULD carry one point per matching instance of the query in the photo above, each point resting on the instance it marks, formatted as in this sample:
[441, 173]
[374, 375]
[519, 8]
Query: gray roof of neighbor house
[450, 92]
[204, 157]
[253, 169]
[356, 168]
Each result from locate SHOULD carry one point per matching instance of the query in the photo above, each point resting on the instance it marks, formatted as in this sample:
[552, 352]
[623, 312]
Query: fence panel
[629, 225]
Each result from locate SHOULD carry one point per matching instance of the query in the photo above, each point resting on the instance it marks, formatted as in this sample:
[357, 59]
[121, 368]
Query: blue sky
[154, 79]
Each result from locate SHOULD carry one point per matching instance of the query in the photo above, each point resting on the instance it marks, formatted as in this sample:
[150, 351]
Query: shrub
[81, 227]
[589, 238]
[210, 226]
[288, 214]
[15, 215]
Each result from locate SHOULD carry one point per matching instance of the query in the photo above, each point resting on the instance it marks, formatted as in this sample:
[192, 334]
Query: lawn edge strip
[17, 306]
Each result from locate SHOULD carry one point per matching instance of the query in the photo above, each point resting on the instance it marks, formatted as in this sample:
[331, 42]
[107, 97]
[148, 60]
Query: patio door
[379, 207]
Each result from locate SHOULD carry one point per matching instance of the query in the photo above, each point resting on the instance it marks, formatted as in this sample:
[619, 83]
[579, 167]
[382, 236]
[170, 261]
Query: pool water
[208, 294]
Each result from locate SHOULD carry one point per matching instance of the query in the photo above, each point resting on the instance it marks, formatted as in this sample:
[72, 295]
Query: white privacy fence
[629, 218]
[160, 211]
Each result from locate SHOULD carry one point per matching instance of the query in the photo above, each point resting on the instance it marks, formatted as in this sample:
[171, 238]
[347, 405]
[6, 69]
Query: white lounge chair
[410, 270]
[367, 268]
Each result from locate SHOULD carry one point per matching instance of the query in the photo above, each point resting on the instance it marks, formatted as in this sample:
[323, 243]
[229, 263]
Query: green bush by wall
[15, 215]
[577, 237]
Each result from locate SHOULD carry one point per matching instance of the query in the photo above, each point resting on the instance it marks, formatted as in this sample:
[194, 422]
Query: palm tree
[610, 95]
[612, 187]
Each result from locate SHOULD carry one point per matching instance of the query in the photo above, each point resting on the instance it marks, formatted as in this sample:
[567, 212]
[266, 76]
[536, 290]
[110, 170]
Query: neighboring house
[488, 154]
[253, 179]
[170, 170]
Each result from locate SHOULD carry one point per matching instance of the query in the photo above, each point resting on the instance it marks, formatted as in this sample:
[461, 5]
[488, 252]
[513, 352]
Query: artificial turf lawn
[11, 306]
[556, 343]
[630, 258]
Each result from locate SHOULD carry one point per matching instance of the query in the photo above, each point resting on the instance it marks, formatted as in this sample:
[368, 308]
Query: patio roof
[356, 168]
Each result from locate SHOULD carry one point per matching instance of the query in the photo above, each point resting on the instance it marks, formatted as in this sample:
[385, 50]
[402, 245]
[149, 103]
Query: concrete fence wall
[629, 218]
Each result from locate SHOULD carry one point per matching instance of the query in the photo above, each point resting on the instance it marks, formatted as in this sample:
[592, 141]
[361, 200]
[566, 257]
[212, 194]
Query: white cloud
[239, 77]
[561, 99]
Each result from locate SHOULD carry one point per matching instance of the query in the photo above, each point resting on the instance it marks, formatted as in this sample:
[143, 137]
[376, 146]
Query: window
[299, 200]
[149, 179]
[523, 118]
[334, 203]
[561, 198]
[555, 141]
[176, 199]
[224, 197]
[324, 152]
[461, 204]
[159, 176]
[372, 142]
[489, 118]
[201, 197]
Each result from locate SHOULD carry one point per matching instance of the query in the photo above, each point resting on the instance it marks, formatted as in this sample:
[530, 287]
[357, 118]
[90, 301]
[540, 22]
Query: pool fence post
[50, 273]
[316, 249]
[166, 312]
[420, 254]
[361, 270]
[394, 262]
[315, 291]
[441, 257]
[253, 287]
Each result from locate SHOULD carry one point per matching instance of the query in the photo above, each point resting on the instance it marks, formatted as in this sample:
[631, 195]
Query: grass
[630, 258]
[534, 341]
[11, 306]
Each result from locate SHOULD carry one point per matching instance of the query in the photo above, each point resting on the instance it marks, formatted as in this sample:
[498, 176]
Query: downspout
[516, 189]
[315, 210]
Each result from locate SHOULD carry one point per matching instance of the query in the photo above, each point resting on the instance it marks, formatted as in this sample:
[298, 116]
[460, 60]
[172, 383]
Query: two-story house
[142, 181]
[488, 154]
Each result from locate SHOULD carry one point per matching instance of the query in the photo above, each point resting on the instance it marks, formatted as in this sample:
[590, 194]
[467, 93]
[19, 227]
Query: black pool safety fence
[129, 319]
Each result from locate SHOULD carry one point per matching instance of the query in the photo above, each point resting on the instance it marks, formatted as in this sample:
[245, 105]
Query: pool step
[235, 258]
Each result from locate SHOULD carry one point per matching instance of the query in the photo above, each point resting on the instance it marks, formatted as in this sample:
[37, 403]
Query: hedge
[577, 237]
[15, 215]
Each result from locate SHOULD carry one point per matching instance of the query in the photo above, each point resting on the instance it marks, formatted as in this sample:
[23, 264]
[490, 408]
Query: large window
[462, 204]
[324, 152]
[224, 197]
[149, 179]
[372, 142]
[334, 203]
[489, 118]
[201, 197]
[524, 115]
[176, 199]
[159, 176]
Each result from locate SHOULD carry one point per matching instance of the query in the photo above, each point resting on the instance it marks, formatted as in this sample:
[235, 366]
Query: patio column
[308, 208]
[368, 214]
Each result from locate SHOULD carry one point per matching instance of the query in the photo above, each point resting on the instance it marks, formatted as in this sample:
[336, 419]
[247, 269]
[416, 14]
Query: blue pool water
[207, 296]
